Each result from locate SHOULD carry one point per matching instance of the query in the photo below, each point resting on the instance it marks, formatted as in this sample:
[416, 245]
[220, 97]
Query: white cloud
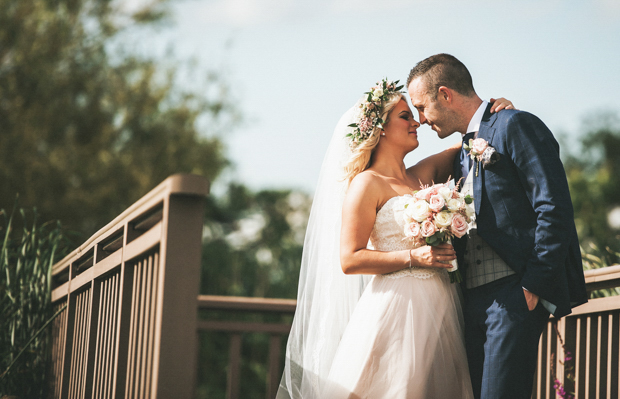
[240, 13]
[243, 13]
[608, 9]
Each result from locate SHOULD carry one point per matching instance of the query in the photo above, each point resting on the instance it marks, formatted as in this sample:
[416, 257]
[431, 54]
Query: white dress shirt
[474, 123]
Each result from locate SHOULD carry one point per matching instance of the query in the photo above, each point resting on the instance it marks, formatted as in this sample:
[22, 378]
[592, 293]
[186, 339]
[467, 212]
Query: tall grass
[28, 252]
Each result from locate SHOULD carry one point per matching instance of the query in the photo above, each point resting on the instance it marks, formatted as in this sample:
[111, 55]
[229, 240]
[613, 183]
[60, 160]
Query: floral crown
[370, 110]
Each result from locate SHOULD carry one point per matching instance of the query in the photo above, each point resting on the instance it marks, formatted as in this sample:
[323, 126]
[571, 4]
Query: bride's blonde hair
[361, 155]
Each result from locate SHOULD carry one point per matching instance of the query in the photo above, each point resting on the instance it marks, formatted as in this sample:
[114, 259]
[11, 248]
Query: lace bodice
[388, 234]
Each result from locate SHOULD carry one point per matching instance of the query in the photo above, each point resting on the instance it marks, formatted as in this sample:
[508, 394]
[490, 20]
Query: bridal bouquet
[434, 215]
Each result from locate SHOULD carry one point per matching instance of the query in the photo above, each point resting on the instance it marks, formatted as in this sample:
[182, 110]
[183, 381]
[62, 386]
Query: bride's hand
[433, 256]
[500, 104]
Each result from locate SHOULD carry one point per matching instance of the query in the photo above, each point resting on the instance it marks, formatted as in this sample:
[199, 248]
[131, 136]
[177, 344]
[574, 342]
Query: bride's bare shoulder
[365, 181]
[367, 187]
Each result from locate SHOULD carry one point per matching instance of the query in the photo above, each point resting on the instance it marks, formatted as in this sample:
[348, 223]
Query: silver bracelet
[410, 265]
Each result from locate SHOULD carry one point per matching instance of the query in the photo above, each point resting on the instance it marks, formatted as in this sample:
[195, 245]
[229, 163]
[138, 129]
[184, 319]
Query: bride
[376, 316]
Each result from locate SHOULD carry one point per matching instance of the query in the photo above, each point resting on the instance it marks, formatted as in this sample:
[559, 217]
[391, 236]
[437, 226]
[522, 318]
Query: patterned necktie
[465, 159]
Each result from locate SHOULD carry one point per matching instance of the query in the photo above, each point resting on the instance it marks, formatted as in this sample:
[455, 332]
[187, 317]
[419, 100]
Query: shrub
[29, 250]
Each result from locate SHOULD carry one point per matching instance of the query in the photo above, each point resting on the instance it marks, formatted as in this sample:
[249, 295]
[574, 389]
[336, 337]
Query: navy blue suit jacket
[524, 210]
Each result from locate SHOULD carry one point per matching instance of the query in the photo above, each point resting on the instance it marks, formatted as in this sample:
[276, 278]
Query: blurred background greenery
[87, 127]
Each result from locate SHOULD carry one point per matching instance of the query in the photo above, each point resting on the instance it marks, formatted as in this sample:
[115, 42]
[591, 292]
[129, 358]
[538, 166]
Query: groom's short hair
[443, 70]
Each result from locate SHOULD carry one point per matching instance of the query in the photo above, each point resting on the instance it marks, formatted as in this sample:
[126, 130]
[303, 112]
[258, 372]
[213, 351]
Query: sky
[294, 67]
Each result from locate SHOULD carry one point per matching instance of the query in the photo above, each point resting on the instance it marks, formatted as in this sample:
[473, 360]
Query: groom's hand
[531, 299]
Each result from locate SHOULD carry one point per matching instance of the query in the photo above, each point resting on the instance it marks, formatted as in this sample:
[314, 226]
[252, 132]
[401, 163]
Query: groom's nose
[423, 120]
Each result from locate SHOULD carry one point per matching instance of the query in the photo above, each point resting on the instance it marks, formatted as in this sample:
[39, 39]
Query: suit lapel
[457, 169]
[486, 132]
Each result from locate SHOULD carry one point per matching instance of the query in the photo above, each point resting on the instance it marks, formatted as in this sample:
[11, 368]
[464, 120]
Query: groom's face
[434, 113]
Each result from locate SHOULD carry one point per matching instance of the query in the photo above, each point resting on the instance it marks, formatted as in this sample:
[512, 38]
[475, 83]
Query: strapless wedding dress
[405, 337]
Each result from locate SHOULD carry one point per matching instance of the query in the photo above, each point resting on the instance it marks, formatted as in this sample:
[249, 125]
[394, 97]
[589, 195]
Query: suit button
[478, 247]
[478, 262]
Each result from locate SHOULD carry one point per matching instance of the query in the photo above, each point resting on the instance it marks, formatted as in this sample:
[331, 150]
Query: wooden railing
[276, 331]
[592, 335]
[127, 300]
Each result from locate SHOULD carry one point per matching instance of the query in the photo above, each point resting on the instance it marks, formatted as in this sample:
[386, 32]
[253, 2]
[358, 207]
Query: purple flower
[569, 357]
[365, 124]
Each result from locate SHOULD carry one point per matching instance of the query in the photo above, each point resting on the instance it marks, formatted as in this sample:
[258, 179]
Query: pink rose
[424, 194]
[412, 230]
[427, 228]
[437, 203]
[459, 225]
[479, 145]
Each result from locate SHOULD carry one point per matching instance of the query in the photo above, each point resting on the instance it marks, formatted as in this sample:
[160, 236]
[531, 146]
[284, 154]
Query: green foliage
[595, 258]
[88, 127]
[28, 252]
[594, 180]
[253, 244]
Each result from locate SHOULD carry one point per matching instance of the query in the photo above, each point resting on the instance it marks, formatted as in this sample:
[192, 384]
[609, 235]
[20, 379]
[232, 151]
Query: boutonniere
[481, 152]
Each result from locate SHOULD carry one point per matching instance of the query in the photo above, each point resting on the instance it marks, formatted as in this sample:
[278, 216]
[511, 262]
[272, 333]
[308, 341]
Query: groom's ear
[445, 94]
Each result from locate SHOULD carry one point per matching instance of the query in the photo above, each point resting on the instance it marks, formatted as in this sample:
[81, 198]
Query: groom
[521, 261]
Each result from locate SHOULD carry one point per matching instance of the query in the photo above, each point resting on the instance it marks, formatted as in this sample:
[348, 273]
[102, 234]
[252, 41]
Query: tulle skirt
[404, 340]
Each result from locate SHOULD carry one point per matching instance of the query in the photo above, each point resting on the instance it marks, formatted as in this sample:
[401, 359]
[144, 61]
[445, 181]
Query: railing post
[273, 377]
[129, 326]
[179, 280]
[234, 366]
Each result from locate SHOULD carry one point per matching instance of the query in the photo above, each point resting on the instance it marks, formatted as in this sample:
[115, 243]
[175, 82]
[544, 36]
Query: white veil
[326, 296]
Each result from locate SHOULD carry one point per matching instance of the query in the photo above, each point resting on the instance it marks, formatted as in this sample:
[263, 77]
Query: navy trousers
[501, 338]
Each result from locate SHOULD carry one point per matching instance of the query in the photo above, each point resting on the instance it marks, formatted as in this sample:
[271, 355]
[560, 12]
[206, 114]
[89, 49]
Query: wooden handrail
[237, 328]
[581, 321]
[220, 302]
[179, 184]
[605, 277]
[128, 328]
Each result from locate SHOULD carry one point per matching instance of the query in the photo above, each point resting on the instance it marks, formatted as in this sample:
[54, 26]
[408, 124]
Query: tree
[253, 245]
[594, 181]
[253, 242]
[86, 127]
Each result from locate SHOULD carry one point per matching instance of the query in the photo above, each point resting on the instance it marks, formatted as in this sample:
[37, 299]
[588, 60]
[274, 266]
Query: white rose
[443, 219]
[407, 218]
[470, 210]
[378, 92]
[454, 204]
[419, 211]
[445, 192]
